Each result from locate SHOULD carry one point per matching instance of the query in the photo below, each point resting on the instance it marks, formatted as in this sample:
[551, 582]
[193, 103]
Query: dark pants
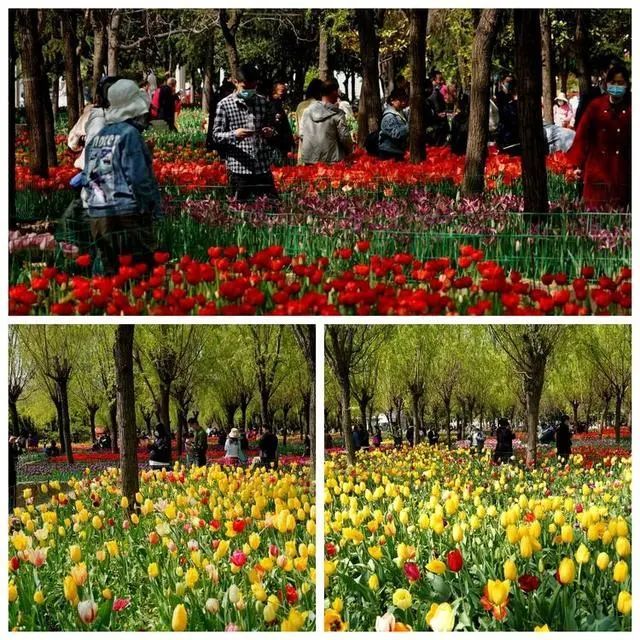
[387, 155]
[123, 235]
[246, 187]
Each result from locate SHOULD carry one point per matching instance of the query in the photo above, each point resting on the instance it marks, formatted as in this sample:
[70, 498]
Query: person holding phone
[244, 132]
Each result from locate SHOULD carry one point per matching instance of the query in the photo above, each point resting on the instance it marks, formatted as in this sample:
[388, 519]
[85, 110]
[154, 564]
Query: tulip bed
[207, 549]
[231, 282]
[433, 539]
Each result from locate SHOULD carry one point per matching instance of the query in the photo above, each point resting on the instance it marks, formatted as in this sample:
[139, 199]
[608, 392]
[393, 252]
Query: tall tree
[324, 70]
[581, 47]
[69, 20]
[305, 336]
[529, 76]
[19, 375]
[548, 77]
[370, 109]
[610, 352]
[229, 23]
[529, 348]
[482, 51]
[99, 20]
[126, 403]
[35, 88]
[417, 63]
[267, 356]
[113, 42]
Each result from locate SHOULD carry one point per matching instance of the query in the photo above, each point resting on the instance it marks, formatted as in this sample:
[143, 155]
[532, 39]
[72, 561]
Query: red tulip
[454, 560]
[528, 582]
[411, 571]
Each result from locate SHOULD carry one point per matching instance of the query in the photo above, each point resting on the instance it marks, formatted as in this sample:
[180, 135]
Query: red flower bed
[352, 282]
[359, 172]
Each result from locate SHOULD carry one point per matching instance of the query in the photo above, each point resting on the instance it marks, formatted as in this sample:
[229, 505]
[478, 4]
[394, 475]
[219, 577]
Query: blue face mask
[616, 90]
[247, 94]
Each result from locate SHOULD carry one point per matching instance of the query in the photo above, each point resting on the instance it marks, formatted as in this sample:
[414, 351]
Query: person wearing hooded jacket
[394, 128]
[120, 188]
[324, 131]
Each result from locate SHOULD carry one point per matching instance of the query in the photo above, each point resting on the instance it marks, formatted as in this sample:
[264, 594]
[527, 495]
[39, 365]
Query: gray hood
[319, 111]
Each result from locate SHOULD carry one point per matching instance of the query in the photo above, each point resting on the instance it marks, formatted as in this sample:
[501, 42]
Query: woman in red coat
[601, 150]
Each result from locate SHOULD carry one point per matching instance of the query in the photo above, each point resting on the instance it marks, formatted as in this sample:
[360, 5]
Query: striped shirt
[252, 155]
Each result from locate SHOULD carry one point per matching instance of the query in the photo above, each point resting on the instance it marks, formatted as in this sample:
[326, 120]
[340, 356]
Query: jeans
[246, 187]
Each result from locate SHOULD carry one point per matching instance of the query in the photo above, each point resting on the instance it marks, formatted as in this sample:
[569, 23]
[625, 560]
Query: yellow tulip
[544, 628]
[374, 582]
[192, 577]
[294, 622]
[96, 522]
[269, 613]
[623, 547]
[112, 548]
[602, 561]
[457, 533]
[582, 554]
[526, 547]
[436, 566]
[152, 570]
[620, 571]
[510, 570]
[38, 597]
[338, 604]
[498, 591]
[13, 592]
[107, 594]
[441, 617]
[567, 571]
[375, 552]
[624, 603]
[566, 533]
[179, 619]
[124, 502]
[402, 599]
[75, 553]
[79, 574]
[69, 588]
[254, 541]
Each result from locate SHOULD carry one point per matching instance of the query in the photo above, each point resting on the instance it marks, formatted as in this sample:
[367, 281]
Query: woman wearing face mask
[601, 151]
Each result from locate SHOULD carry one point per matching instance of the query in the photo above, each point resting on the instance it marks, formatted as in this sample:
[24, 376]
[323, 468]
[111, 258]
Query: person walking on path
[198, 443]
[243, 129]
[160, 449]
[601, 150]
[120, 188]
[504, 444]
[563, 438]
[233, 449]
[268, 446]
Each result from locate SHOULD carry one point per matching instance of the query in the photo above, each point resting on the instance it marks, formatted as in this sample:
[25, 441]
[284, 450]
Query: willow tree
[305, 336]
[529, 349]
[126, 411]
[20, 373]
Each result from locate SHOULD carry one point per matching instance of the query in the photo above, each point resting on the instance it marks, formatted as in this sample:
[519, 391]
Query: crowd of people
[119, 198]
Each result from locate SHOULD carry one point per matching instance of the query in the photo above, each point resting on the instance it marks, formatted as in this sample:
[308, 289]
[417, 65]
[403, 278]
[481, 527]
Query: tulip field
[207, 549]
[355, 238]
[435, 539]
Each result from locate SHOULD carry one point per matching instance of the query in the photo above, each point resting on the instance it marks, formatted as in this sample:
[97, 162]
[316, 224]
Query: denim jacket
[118, 174]
[394, 132]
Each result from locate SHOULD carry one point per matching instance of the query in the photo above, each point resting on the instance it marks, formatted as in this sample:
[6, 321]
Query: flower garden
[210, 549]
[435, 539]
[358, 237]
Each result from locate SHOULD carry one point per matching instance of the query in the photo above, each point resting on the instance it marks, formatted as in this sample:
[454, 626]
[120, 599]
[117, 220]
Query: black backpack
[371, 143]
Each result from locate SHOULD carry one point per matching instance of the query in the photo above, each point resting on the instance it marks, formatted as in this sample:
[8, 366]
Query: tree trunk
[99, 22]
[180, 430]
[209, 75]
[93, 410]
[417, 62]
[33, 81]
[533, 393]
[14, 418]
[345, 418]
[581, 44]
[482, 52]
[71, 64]
[63, 394]
[447, 410]
[369, 109]
[113, 42]
[126, 408]
[548, 79]
[575, 405]
[362, 405]
[228, 27]
[265, 413]
[605, 413]
[618, 417]
[165, 400]
[60, 420]
[113, 424]
[55, 96]
[324, 70]
[529, 76]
